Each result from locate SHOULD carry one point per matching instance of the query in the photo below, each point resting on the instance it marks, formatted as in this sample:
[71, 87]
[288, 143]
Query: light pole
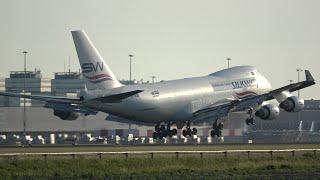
[228, 59]
[298, 71]
[290, 81]
[153, 78]
[130, 56]
[24, 91]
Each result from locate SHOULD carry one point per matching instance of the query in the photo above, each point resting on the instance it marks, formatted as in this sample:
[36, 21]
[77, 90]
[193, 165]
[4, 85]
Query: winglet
[309, 77]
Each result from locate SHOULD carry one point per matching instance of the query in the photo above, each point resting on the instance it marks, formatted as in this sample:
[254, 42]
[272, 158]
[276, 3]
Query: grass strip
[305, 166]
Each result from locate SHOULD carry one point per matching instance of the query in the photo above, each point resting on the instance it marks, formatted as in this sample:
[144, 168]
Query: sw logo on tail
[90, 67]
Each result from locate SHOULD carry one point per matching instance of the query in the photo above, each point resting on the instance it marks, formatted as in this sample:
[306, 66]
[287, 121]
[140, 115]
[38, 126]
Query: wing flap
[211, 113]
[222, 110]
[117, 97]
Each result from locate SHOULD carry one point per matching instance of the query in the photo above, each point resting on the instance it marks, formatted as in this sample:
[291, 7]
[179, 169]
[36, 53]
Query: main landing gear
[188, 132]
[216, 129]
[161, 131]
[250, 120]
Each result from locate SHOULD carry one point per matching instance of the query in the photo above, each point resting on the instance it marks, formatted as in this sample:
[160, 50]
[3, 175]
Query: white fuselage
[176, 100]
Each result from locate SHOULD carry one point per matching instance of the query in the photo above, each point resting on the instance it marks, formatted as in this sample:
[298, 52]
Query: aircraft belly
[135, 111]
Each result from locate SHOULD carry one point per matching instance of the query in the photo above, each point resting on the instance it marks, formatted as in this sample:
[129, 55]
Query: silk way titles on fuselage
[234, 84]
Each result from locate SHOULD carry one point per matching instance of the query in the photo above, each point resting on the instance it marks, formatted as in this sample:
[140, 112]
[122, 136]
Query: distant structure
[228, 60]
[153, 79]
[35, 84]
[130, 58]
[2, 84]
[67, 84]
[300, 126]
[312, 104]
[312, 127]
[2, 88]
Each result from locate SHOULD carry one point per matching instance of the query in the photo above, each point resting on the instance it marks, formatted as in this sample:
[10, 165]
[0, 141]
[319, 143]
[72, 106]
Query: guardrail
[152, 154]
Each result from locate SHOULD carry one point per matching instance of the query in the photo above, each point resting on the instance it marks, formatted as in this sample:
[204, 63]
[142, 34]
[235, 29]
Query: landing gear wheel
[217, 129]
[157, 128]
[194, 131]
[164, 133]
[212, 133]
[219, 133]
[162, 127]
[155, 135]
[189, 132]
[174, 132]
[158, 131]
[250, 121]
[184, 133]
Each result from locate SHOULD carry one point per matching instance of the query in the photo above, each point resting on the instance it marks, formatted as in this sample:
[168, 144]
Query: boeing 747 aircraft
[181, 102]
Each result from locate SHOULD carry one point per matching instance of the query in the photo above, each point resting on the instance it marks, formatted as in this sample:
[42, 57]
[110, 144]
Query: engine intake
[66, 115]
[268, 112]
[292, 104]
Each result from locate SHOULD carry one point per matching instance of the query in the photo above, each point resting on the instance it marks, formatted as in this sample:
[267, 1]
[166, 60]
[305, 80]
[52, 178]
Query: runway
[132, 148]
[270, 152]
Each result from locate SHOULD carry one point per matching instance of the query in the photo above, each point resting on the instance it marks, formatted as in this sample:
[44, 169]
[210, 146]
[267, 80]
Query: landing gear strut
[216, 129]
[161, 131]
[250, 120]
[188, 132]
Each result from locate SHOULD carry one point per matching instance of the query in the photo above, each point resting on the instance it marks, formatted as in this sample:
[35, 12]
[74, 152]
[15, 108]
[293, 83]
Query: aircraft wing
[72, 104]
[58, 99]
[295, 86]
[214, 112]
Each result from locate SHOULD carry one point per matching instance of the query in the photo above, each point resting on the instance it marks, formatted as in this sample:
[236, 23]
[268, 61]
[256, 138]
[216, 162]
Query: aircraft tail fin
[96, 72]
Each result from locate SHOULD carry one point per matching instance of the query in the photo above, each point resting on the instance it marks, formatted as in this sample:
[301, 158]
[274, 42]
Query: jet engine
[292, 104]
[66, 115]
[268, 112]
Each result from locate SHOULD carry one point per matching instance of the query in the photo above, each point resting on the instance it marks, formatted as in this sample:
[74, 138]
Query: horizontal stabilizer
[117, 97]
[43, 98]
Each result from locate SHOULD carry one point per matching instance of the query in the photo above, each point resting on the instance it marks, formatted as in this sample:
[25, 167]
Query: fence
[177, 154]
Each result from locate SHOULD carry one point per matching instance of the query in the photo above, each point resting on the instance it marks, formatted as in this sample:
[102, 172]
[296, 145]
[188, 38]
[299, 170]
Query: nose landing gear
[250, 120]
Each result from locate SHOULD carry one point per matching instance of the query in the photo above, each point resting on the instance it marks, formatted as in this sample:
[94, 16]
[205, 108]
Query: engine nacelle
[292, 104]
[268, 112]
[66, 115]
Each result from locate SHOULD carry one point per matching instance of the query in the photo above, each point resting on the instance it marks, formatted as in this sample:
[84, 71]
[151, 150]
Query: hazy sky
[170, 39]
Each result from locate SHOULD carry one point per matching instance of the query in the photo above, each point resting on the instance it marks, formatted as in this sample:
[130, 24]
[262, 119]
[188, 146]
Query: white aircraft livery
[178, 102]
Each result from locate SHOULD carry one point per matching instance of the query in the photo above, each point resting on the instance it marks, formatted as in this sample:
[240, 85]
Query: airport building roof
[67, 75]
[25, 74]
